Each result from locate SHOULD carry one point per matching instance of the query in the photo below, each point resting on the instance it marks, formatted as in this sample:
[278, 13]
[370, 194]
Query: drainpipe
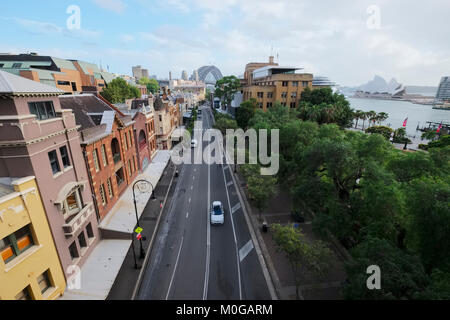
[91, 184]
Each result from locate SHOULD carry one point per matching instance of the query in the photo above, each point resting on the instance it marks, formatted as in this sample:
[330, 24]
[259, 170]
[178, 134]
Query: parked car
[217, 213]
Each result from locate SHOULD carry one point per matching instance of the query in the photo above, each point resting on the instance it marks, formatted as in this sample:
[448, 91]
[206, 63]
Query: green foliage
[402, 275]
[443, 141]
[224, 123]
[226, 88]
[118, 90]
[260, 187]
[245, 112]
[300, 253]
[151, 84]
[322, 106]
[384, 131]
[400, 136]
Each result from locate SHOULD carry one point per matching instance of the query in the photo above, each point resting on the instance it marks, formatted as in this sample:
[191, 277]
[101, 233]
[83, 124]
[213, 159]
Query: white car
[217, 213]
[194, 143]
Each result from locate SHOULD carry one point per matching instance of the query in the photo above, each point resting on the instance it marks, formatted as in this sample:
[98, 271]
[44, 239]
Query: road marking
[208, 238]
[230, 183]
[187, 215]
[190, 200]
[175, 269]
[192, 187]
[226, 167]
[234, 234]
[245, 250]
[236, 207]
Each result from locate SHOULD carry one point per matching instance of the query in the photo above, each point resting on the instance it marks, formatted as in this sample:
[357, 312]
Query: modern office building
[39, 138]
[272, 83]
[29, 264]
[443, 92]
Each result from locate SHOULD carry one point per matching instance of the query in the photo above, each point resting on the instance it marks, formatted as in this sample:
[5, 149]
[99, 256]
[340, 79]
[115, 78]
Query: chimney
[271, 59]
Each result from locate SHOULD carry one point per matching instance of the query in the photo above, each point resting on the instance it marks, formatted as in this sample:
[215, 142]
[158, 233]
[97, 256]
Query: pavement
[193, 260]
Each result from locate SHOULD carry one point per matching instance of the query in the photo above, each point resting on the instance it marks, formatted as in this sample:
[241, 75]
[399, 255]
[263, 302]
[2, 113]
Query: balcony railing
[76, 222]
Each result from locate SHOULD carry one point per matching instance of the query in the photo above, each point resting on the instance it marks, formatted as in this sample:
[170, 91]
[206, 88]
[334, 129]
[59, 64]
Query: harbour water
[398, 111]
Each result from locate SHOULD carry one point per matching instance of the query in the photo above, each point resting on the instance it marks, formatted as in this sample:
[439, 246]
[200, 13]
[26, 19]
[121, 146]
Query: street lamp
[142, 253]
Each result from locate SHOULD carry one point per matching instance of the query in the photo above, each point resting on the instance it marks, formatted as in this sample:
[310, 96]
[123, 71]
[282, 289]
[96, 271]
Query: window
[54, 163]
[129, 167]
[284, 95]
[74, 86]
[110, 189]
[283, 104]
[285, 83]
[269, 94]
[82, 240]
[16, 65]
[101, 85]
[295, 83]
[64, 156]
[15, 244]
[44, 282]
[90, 232]
[102, 194]
[120, 177]
[73, 251]
[293, 95]
[260, 105]
[125, 141]
[292, 104]
[24, 294]
[73, 204]
[1, 65]
[160, 117]
[42, 110]
[130, 138]
[104, 158]
[260, 94]
[95, 156]
[304, 84]
[269, 104]
[63, 83]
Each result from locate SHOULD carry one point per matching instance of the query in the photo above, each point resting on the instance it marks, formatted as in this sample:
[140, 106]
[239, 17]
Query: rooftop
[15, 85]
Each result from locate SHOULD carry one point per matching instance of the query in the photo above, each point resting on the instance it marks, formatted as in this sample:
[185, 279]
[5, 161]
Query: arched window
[115, 149]
[142, 139]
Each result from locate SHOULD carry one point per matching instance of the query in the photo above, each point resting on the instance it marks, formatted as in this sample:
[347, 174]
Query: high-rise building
[144, 73]
[443, 92]
[184, 75]
[137, 72]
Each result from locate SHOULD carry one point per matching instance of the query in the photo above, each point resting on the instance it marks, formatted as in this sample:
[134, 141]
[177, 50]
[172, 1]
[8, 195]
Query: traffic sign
[139, 236]
[138, 230]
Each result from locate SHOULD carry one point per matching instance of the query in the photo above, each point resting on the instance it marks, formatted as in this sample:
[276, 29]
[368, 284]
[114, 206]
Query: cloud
[113, 5]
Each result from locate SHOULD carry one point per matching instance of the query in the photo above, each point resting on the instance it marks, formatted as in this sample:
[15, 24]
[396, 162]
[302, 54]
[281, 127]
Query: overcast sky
[348, 41]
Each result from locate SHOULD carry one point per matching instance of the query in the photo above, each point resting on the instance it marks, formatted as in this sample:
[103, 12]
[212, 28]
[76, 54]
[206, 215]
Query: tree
[372, 116]
[118, 90]
[151, 84]
[245, 112]
[363, 117]
[300, 253]
[357, 114]
[223, 124]
[382, 116]
[402, 275]
[384, 131]
[226, 88]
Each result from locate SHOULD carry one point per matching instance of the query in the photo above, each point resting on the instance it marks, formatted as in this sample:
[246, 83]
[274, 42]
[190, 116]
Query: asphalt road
[193, 260]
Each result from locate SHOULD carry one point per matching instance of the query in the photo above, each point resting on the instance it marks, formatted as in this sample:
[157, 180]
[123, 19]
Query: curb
[150, 246]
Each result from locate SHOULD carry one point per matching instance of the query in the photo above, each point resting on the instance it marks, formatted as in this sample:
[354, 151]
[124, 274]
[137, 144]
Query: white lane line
[226, 167]
[208, 237]
[190, 200]
[234, 234]
[236, 207]
[230, 183]
[245, 250]
[187, 215]
[175, 269]
[192, 187]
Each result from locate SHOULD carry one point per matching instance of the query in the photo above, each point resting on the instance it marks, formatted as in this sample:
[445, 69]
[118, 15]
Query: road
[192, 260]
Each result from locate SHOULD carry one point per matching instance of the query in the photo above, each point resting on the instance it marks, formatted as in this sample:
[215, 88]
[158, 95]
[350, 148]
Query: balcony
[75, 222]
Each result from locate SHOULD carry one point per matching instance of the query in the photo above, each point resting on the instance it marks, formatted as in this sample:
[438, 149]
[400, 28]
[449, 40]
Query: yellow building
[29, 264]
[271, 83]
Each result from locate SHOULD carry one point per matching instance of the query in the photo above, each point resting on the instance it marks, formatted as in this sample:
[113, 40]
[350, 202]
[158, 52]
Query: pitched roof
[15, 85]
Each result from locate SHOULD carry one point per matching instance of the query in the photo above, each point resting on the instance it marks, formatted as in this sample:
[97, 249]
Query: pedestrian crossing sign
[138, 230]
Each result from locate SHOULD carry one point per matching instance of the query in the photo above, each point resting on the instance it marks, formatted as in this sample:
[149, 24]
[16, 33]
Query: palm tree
[382, 116]
[371, 115]
[363, 116]
[357, 115]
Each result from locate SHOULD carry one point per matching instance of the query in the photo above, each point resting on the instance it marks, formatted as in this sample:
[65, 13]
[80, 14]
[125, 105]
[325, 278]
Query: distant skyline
[347, 41]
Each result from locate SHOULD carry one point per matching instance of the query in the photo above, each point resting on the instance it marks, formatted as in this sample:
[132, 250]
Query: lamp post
[152, 197]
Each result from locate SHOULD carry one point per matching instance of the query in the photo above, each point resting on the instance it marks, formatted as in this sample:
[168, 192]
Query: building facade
[167, 119]
[272, 83]
[443, 92]
[29, 264]
[71, 76]
[38, 138]
[109, 147]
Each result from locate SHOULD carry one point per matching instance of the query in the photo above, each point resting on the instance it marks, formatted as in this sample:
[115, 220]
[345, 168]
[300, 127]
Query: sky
[348, 41]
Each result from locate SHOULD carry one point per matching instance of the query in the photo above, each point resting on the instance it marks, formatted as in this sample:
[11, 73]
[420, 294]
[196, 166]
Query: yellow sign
[139, 230]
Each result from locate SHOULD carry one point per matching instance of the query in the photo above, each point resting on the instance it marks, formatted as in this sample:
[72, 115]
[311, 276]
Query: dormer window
[42, 109]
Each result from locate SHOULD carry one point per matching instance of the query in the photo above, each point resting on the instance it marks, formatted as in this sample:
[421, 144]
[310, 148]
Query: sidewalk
[100, 270]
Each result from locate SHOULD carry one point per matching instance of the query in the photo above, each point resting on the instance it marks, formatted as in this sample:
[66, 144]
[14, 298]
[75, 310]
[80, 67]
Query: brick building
[109, 147]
